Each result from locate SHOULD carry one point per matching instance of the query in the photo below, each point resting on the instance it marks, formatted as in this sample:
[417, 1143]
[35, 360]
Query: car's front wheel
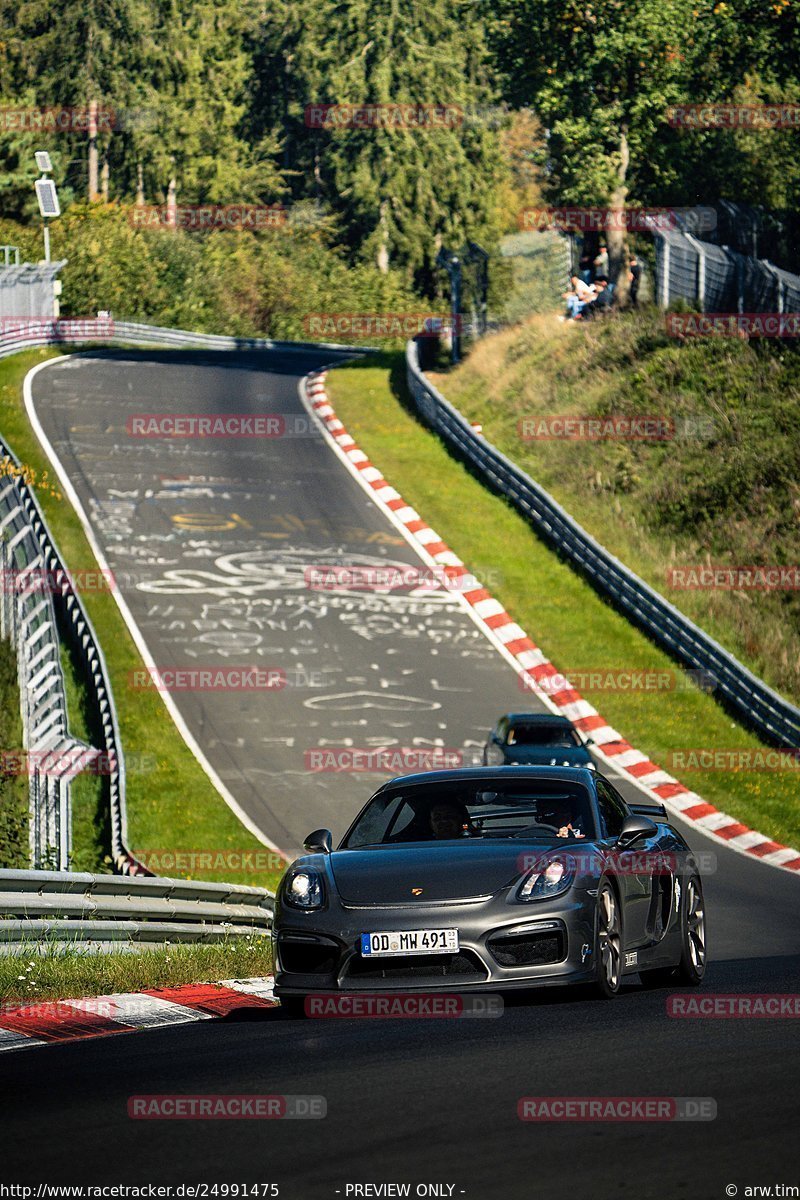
[608, 941]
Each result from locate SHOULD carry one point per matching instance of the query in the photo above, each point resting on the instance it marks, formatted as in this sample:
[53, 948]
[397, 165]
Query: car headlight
[547, 880]
[304, 889]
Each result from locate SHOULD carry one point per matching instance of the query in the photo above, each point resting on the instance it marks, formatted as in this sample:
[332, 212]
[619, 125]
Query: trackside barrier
[67, 906]
[22, 523]
[749, 697]
[28, 555]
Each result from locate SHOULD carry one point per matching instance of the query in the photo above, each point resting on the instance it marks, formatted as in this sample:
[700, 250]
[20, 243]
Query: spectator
[601, 263]
[581, 295]
[634, 276]
[585, 267]
[603, 299]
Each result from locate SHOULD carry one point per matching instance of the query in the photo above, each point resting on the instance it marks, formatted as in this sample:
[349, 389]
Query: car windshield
[541, 735]
[448, 811]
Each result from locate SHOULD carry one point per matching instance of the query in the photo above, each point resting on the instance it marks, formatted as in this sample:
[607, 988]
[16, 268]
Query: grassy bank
[172, 806]
[574, 627]
[13, 788]
[724, 489]
[50, 973]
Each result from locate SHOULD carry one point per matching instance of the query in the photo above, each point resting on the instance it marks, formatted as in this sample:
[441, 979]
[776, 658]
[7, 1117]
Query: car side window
[612, 808]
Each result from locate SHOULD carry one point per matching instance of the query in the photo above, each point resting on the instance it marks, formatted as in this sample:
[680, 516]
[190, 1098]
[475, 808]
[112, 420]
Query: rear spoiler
[648, 810]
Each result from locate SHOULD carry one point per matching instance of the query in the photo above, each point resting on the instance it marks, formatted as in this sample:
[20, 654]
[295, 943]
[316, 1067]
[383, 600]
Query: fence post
[780, 289]
[663, 283]
[700, 274]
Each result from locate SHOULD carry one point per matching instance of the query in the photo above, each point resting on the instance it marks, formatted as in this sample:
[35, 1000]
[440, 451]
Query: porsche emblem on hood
[416, 891]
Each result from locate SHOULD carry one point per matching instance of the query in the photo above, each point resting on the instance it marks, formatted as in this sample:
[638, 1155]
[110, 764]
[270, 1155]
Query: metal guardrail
[757, 704]
[65, 906]
[36, 586]
[51, 756]
[37, 332]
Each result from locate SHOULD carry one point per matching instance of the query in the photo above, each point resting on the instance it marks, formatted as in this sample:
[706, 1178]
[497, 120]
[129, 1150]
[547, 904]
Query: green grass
[172, 806]
[559, 611]
[13, 788]
[727, 494]
[41, 972]
[91, 831]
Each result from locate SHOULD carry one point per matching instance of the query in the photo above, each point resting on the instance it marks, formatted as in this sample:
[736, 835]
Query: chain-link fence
[718, 279]
[529, 275]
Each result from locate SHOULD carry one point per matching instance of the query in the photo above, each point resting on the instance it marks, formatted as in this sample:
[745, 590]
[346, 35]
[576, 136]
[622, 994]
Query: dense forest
[213, 102]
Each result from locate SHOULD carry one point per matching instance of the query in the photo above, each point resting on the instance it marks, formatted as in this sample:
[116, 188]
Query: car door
[635, 884]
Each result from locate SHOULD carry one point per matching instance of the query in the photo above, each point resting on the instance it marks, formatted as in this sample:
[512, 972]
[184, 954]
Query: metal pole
[46, 242]
[455, 307]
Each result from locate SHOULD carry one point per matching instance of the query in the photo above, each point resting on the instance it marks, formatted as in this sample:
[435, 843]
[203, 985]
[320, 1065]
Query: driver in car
[449, 819]
[562, 815]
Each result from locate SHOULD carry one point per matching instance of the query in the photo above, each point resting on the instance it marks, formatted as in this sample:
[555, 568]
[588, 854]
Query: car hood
[442, 871]
[547, 756]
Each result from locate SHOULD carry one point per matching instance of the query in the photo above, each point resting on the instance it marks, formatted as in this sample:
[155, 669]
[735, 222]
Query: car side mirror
[319, 842]
[633, 829]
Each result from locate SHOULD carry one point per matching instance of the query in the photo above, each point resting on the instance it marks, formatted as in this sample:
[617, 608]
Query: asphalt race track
[210, 541]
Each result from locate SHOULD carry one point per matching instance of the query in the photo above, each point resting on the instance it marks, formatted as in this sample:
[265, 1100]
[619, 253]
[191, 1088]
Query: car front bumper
[502, 945]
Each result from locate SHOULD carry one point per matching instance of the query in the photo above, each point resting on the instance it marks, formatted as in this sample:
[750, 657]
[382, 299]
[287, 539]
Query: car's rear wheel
[691, 967]
[608, 941]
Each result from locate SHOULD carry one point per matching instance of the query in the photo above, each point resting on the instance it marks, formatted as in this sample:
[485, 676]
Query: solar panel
[48, 198]
[43, 163]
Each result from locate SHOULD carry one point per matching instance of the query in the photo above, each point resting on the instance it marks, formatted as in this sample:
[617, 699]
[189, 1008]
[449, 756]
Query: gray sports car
[491, 878]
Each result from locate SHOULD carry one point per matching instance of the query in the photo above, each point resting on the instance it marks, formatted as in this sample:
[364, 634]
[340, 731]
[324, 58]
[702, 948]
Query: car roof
[529, 718]
[506, 774]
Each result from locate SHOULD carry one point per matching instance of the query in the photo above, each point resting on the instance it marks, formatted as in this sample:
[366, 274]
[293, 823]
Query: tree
[602, 74]
[82, 55]
[401, 192]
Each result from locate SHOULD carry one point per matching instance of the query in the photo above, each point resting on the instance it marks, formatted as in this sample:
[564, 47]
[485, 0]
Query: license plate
[409, 941]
